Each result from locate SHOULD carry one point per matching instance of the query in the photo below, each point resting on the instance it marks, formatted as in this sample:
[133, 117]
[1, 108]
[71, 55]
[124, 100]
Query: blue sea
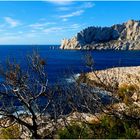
[63, 64]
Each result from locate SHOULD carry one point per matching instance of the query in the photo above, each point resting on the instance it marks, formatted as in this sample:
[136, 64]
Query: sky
[48, 22]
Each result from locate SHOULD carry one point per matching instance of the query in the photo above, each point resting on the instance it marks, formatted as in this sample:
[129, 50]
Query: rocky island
[125, 36]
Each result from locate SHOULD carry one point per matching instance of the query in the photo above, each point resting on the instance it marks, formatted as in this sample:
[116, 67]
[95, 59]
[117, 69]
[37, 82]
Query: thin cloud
[80, 11]
[77, 13]
[64, 19]
[9, 39]
[64, 8]
[84, 5]
[20, 32]
[75, 26]
[41, 25]
[59, 2]
[12, 22]
[87, 5]
[61, 29]
[36, 25]
[53, 29]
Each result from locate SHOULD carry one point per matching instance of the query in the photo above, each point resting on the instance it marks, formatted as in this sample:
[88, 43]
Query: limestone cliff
[125, 36]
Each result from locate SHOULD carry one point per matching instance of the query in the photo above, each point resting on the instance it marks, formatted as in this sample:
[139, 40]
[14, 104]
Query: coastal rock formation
[120, 75]
[124, 36]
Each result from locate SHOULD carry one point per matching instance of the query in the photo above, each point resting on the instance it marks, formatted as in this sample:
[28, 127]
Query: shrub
[11, 132]
[75, 131]
[117, 128]
[109, 127]
[125, 91]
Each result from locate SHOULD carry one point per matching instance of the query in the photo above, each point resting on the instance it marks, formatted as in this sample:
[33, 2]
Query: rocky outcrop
[124, 36]
[121, 75]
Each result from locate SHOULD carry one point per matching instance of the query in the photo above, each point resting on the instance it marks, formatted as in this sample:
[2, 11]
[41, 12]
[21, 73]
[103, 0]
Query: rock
[135, 96]
[123, 36]
[72, 44]
[84, 117]
[137, 103]
[119, 107]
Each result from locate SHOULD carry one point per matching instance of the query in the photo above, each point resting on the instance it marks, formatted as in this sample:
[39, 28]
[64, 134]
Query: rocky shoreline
[123, 36]
[122, 75]
[126, 79]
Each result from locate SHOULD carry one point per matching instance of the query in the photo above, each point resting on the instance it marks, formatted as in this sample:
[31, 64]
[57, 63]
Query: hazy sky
[46, 22]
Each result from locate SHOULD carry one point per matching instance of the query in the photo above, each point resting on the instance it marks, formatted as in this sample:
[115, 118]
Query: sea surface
[63, 64]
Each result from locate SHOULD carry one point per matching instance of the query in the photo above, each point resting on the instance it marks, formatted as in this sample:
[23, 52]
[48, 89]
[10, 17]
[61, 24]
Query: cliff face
[124, 36]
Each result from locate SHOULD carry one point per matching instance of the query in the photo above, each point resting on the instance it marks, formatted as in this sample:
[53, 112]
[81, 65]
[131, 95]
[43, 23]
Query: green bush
[125, 92]
[117, 128]
[75, 131]
[11, 132]
[109, 127]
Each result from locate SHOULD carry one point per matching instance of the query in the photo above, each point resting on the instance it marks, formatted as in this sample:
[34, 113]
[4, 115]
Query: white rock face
[124, 36]
[71, 44]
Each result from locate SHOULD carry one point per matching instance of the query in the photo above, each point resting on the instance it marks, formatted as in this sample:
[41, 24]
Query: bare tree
[109, 83]
[21, 89]
[27, 91]
[27, 99]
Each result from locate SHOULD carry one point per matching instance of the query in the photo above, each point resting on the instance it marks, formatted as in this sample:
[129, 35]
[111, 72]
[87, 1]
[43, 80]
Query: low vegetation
[12, 132]
[47, 111]
[108, 127]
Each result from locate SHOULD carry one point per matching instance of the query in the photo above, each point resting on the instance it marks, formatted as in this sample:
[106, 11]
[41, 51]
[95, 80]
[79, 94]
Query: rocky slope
[120, 75]
[125, 36]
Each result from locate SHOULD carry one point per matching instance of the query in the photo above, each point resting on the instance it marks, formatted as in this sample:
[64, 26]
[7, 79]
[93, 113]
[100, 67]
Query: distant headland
[125, 36]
